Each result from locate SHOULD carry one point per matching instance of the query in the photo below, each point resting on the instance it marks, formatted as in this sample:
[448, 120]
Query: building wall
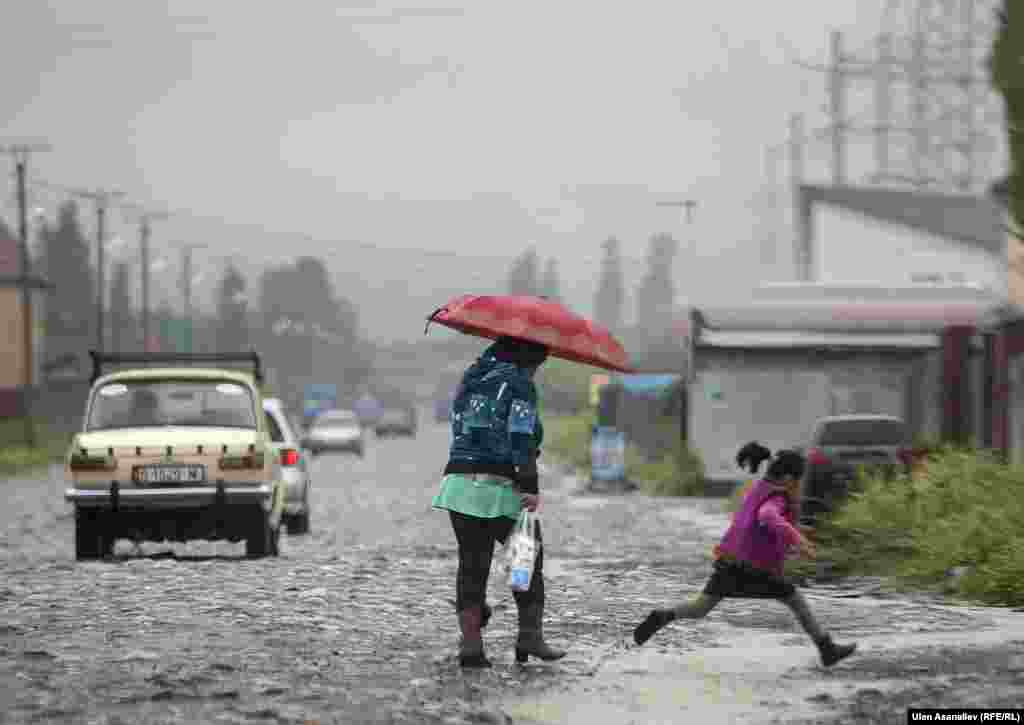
[12, 359]
[776, 397]
[850, 247]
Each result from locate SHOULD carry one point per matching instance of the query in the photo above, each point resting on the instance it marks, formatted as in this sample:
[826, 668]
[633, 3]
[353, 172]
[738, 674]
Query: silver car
[294, 470]
[335, 430]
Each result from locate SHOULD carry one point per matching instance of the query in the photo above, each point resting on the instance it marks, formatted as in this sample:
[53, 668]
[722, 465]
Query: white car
[287, 448]
[335, 430]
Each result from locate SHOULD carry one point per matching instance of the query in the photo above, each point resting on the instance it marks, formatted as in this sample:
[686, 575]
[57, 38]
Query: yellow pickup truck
[174, 448]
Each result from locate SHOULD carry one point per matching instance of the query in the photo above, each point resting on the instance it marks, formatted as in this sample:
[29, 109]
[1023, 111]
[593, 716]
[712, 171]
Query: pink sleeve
[771, 514]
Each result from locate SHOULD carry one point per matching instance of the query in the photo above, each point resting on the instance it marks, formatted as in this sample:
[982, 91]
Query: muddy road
[354, 622]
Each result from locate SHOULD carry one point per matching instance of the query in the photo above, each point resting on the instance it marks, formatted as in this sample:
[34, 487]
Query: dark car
[396, 421]
[841, 444]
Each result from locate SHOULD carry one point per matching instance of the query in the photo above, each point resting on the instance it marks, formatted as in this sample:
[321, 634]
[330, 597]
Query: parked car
[397, 421]
[174, 453]
[287, 446]
[335, 430]
[838, 445]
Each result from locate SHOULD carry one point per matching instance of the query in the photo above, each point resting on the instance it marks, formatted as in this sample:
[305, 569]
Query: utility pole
[186, 279]
[20, 154]
[102, 198]
[796, 177]
[146, 218]
[837, 108]
[967, 84]
[919, 129]
[883, 106]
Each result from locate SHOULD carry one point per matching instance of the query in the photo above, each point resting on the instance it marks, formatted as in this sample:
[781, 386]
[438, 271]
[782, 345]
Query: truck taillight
[816, 457]
[289, 457]
[906, 456]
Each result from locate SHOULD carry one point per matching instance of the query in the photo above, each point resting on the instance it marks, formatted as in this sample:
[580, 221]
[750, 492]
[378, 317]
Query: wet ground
[353, 623]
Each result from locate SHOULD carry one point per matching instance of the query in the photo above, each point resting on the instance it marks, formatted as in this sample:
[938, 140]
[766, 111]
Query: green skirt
[482, 495]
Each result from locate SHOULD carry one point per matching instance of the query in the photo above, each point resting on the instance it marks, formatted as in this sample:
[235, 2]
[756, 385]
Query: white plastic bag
[521, 551]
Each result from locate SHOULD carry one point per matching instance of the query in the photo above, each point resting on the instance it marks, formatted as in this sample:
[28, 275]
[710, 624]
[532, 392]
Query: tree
[522, 278]
[655, 297]
[611, 290]
[71, 307]
[1006, 64]
[123, 329]
[232, 312]
[308, 333]
[552, 286]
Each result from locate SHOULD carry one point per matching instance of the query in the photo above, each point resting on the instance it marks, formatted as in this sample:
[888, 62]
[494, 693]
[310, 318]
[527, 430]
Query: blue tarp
[647, 384]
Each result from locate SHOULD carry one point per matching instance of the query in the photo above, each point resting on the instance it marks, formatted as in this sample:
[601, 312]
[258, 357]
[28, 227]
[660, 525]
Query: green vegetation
[564, 385]
[678, 472]
[16, 457]
[1008, 78]
[963, 508]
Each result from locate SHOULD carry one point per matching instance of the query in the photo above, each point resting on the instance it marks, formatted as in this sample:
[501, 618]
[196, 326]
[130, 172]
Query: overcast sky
[465, 130]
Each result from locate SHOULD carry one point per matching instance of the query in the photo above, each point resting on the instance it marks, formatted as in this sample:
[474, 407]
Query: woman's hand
[531, 501]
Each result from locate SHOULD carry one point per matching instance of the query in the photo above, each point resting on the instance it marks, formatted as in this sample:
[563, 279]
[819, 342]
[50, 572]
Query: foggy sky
[467, 130]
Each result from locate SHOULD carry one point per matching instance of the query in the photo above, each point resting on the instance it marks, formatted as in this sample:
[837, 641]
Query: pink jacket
[762, 530]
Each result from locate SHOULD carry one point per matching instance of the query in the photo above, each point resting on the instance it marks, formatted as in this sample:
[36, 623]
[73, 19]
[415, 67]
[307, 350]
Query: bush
[679, 472]
[16, 457]
[963, 510]
[568, 438]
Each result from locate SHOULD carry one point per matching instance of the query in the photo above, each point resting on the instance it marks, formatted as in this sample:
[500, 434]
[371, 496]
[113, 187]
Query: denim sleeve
[523, 426]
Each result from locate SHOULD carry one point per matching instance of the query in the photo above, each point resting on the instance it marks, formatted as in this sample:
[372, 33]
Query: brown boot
[471, 648]
[531, 636]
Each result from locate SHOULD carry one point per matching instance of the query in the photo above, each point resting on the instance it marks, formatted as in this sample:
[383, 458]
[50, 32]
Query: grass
[678, 472]
[963, 508]
[16, 457]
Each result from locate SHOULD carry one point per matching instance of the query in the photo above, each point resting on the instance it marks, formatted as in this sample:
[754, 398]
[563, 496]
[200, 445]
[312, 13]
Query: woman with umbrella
[491, 473]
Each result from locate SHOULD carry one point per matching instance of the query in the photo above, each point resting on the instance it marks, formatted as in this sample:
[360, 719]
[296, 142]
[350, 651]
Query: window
[863, 433]
[274, 429]
[133, 404]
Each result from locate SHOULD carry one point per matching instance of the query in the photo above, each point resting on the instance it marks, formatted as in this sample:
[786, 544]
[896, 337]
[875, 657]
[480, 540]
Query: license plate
[170, 474]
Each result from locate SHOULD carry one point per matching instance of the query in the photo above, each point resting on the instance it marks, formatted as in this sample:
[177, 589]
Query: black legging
[476, 537]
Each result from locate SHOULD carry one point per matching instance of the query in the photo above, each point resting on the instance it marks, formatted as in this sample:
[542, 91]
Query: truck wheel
[262, 539]
[91, 540]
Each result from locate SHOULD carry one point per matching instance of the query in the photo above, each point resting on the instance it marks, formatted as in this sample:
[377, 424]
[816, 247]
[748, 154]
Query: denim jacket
[494, 421]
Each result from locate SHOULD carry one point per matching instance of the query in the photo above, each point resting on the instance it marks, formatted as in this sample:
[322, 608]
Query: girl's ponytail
[752, 455]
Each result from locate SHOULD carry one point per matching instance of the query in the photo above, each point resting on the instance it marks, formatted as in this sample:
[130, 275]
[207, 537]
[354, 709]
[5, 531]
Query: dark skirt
[741, 580]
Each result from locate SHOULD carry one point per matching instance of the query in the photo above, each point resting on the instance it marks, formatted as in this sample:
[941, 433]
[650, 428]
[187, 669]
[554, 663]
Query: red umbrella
[565, 334]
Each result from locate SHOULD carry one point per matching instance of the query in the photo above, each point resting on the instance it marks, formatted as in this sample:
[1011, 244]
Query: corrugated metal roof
[782, 339]
[872, 291]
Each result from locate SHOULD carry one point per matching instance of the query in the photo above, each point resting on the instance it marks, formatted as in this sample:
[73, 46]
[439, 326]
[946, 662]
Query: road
[353, 623]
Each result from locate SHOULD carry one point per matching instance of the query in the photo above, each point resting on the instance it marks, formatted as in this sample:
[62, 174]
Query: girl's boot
[832, 652]
[471, 647]
[531, 635]
[657, 619]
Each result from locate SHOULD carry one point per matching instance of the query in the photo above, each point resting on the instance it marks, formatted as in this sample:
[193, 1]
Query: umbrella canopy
[566, 335]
